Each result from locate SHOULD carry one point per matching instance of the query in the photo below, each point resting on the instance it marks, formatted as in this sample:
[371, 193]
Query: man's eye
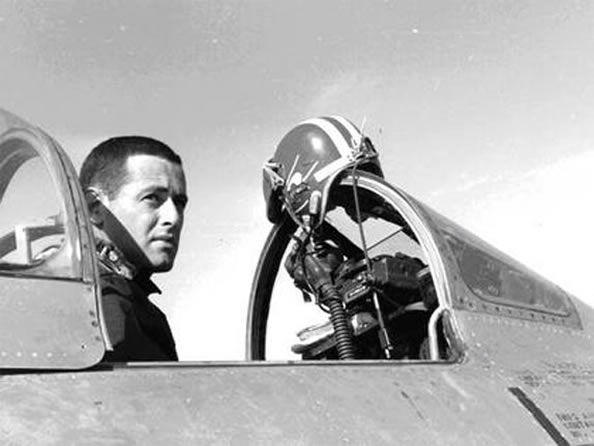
[180, 203]
[153, 198]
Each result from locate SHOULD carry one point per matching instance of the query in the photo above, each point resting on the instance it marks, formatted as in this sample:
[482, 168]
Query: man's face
[150, 205]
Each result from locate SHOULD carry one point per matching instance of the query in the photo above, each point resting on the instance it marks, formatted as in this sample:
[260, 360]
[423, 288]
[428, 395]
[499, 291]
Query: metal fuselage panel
[48, 324]
[520, 382]
[390, 403]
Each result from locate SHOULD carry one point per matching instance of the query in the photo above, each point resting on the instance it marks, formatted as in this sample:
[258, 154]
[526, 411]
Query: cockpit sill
[239, 364]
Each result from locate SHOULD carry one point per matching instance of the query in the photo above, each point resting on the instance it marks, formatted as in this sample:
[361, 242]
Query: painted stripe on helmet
[354, 135]
[341, 129]
[293, 167]
[310, 171]
[341, 144]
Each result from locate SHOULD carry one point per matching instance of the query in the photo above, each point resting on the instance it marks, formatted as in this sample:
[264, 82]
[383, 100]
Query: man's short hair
[105, 167]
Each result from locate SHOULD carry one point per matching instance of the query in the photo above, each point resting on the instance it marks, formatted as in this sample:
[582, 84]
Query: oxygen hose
[338, 317]
[321, 281]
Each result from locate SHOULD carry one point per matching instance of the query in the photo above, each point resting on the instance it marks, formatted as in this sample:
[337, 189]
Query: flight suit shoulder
[113, 283]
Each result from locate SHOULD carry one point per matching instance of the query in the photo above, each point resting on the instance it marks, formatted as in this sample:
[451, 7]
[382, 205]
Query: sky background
[483, 110]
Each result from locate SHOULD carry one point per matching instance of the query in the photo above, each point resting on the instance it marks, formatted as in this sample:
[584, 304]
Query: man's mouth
[166, 239]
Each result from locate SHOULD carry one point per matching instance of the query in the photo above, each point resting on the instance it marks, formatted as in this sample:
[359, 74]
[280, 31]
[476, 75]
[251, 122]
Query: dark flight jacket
[138, 330]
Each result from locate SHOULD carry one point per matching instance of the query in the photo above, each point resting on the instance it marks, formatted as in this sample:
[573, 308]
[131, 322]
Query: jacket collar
[113, 260]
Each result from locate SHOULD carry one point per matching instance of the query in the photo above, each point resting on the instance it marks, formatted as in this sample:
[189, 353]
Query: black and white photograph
[330, 222]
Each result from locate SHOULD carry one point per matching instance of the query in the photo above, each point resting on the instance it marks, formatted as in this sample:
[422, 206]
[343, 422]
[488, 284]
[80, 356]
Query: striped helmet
[307, 161]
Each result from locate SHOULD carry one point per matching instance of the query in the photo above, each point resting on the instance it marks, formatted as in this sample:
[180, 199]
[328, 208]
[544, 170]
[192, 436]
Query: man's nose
[170, 213]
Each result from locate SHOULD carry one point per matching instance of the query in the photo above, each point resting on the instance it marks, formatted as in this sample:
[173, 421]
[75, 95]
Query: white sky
[482, 110]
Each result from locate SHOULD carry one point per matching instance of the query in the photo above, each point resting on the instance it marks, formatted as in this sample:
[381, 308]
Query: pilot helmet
[306, 162]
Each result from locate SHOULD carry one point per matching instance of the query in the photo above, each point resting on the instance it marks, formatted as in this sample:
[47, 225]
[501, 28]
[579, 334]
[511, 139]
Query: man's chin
[161, 265]
[162, 268]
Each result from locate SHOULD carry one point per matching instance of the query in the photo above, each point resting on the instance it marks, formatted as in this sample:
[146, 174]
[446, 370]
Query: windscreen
[32, 230]
[498, 284]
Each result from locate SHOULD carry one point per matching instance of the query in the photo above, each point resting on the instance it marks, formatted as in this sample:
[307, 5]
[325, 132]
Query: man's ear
[95, 202]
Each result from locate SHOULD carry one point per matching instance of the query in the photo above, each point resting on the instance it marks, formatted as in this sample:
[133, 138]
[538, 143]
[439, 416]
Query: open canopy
[48, 290]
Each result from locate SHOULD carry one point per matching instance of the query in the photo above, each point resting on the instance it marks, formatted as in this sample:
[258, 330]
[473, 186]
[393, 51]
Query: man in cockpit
[136, 194]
